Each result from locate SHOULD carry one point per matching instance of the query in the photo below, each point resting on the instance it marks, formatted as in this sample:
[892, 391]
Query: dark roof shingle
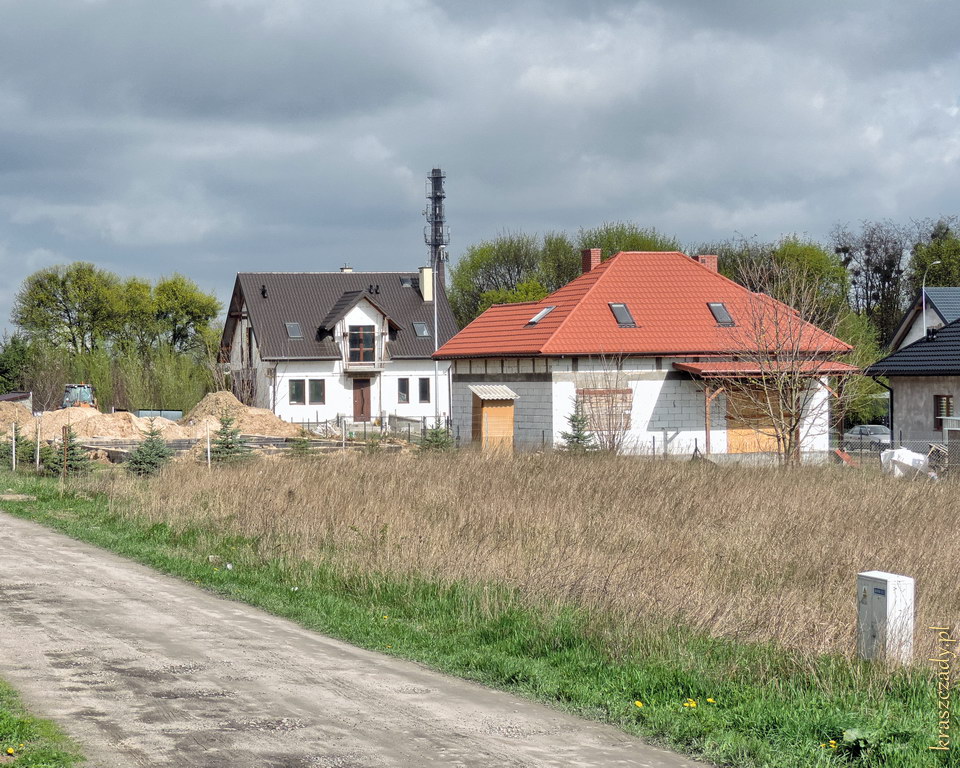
[313, 298]
[936, 355]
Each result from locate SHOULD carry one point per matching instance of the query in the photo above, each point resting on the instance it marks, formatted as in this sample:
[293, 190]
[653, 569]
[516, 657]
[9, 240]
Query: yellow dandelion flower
[711, 701]
[386, 617]
[638, 703]
[10, 750]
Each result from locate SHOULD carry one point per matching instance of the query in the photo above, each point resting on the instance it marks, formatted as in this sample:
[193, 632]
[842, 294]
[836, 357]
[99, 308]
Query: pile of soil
[88, 422]
[14, 413]
[250, 421]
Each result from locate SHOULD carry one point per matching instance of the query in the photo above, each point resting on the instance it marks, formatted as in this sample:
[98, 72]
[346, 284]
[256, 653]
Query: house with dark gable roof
[924, 379]
[319, 346]
[656, 348]
[938, 306]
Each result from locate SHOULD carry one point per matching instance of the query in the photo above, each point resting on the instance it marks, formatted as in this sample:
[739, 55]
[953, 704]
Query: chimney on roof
[426, 283]
[590, 259]
[709, 260]
[346, 268]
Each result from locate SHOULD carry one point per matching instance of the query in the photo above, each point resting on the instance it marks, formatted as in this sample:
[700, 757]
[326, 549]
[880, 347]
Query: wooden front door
[361, 399]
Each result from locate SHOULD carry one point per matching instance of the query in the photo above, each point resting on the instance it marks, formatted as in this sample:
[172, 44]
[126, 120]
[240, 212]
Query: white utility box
[885, 616]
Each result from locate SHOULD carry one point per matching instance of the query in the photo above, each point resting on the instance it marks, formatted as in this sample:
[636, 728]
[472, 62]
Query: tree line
[140, 344]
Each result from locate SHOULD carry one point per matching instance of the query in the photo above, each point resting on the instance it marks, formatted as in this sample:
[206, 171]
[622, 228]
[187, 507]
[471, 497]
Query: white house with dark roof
[330, 346]
[937, 307]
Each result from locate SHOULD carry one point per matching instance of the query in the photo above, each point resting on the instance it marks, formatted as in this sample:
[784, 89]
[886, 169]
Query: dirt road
[145, 670]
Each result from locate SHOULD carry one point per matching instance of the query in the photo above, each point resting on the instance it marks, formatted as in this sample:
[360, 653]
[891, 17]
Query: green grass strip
[756, 706]
[27, 742]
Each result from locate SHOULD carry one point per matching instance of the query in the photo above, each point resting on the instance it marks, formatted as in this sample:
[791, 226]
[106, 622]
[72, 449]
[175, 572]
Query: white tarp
[901, 462]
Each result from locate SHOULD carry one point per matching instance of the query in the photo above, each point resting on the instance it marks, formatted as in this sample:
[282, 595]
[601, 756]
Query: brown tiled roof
[312, 298]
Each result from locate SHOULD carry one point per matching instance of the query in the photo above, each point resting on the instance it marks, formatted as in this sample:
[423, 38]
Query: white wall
[667, 407]
[917, 331]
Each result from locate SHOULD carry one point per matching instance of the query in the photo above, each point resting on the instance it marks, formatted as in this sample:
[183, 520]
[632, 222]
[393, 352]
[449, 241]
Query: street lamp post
[923, 295]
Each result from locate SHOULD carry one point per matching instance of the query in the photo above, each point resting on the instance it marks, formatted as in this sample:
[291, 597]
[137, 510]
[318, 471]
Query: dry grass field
[751, 554]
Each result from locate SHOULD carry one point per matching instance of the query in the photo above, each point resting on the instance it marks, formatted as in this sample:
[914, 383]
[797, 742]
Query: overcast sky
[208, 137]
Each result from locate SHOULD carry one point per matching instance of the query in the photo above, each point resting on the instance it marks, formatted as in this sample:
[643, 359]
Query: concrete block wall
[913, 405]
[533, 412]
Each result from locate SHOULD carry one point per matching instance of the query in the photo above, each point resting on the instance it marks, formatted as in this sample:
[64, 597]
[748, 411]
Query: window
[297, 392]
[421, 330]
[540, 315]
[403, 390]
[720, 313]
[294, 331]
[362, 348]
[942, 406]
[424, 390]
[624, 318]
[318, 391]
[406, 282]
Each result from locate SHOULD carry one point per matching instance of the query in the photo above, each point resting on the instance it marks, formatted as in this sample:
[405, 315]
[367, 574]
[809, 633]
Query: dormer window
[623, 316]
[540, 315]
[294, 331]
[720, 313]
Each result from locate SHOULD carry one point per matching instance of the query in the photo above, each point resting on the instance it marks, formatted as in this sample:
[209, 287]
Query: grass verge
[27, 742]
[731, 703]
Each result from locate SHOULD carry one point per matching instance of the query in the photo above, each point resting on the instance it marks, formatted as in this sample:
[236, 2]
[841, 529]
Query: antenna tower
[436, 233]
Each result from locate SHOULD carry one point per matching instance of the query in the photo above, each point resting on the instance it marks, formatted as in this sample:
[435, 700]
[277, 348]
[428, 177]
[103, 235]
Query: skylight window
[624, 318]
[406, 282]
[720, 313]
[421, 329]
[293, 331]
[540, 315]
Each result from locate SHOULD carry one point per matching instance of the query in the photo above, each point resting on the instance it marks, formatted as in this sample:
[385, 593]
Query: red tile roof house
[640, 340]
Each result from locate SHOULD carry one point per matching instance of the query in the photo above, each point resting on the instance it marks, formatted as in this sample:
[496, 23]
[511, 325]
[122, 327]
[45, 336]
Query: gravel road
[145, 670]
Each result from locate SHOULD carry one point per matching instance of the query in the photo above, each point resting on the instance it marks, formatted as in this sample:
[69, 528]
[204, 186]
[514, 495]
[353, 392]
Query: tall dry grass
[754, 554]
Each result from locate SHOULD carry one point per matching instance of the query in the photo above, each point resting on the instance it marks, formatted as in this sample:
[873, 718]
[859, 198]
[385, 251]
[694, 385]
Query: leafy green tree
[528, 290]
[227, 445]
[935, 242]
[14, 363]
[494, 265]
[183, 311]
[73, 306]
[863, 401]
[521, 267]
[761, 267]
[579, 439]
[152, 455]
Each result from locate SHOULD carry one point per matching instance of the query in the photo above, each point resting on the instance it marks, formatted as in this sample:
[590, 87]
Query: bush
[579, 439]
[78, 461]
[227, 445]
[300, 447]
[151, 455]
[437, 438]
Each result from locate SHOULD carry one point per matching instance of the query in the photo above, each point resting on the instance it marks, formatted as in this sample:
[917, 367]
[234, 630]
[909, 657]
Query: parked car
[872, 437]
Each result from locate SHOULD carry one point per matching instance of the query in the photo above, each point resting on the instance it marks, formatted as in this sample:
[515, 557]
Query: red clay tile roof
[668, 295]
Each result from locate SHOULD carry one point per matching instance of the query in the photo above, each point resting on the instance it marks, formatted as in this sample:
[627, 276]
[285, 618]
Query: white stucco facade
[304, 390]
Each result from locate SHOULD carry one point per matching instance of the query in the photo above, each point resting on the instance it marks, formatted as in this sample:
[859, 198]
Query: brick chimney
[590, 259]
[709, 260]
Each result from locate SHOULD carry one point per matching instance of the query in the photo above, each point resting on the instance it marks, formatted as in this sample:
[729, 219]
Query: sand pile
[11, 413]
[250, 421]
[88, 422]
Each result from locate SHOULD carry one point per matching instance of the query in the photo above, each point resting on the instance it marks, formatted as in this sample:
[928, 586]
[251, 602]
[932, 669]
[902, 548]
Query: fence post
[13, 452]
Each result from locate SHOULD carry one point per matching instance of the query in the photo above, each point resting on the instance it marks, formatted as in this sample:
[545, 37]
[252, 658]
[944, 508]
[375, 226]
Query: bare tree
[876, 258]
[782, 382]
[606, 401]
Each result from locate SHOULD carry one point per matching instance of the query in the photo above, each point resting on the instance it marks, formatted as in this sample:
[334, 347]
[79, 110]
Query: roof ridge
[605, 266]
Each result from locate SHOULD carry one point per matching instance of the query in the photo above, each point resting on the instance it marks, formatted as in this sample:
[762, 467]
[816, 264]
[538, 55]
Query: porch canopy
[742, 369]
[715, 372]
